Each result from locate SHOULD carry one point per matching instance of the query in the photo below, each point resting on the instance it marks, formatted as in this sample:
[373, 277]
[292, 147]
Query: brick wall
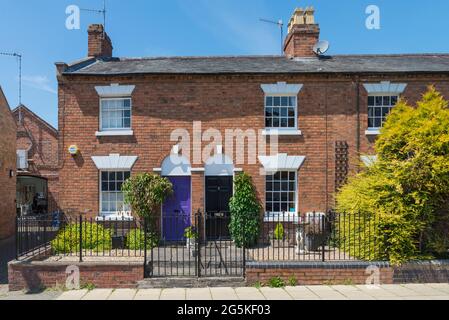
[41, 141]
[162, 103]
[7, 163]
[316, 273]
[38, 275]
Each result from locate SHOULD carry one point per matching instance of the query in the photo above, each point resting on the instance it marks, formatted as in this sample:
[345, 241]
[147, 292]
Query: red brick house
[37, 162]
[118, 116]
[7, 169]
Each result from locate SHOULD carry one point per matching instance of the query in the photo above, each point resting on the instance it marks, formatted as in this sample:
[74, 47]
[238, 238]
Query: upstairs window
[115, 114]
[379, 106]
[281, 112]
[280, 192]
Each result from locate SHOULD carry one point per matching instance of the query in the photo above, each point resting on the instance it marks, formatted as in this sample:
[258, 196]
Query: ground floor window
[281, 192]
[111, 198]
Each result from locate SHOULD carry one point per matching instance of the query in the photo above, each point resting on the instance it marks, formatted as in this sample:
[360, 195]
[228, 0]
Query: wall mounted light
[12, 173]
[73, 150]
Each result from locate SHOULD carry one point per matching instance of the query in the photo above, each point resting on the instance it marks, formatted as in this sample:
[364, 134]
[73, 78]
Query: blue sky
[37, 30]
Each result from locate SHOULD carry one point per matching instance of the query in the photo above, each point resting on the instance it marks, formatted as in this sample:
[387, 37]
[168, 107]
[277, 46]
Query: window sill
[113, 217]
[372, 132]
[282, 132]
[281, 217]
[115, 133]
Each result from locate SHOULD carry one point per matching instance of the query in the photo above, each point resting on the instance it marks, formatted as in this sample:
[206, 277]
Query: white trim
[176, 166]
[219, 165]
[372, 132]
[281, 132]
[281, 162]
[157, 169]
[281, 88]
[114, 162]
[281, 217]
[385, 88]
[115, 133]
[197, 170]
[368, 160]
[275, 215]
[238, 170]
[113, 217]
[115, 91]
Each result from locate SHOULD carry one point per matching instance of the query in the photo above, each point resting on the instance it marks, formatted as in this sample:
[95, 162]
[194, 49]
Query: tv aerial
[102, 12]
[321, 47]
[19, 59]
[280, 24]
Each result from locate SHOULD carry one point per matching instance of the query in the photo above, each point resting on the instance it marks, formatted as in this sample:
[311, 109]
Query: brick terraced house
[37, 162]
[7, 169]
[116, 115]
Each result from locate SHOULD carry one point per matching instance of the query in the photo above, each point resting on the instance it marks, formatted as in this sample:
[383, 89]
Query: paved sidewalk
[361, 292]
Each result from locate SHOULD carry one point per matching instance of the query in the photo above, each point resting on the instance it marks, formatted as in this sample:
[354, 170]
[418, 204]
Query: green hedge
[136, 240]
[94, 237]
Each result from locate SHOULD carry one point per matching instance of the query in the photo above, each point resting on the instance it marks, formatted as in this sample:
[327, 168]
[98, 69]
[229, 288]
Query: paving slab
[249, 294]
[301, 293]
[223, 293]
[444, 287]
[353, 293]
[327, 293]
[173, 294]
[148, 294]
[399, 290]
[275, 294]
[198, 294]
[424, 289]
[377, 292]
[72, 295]
[97, 294]
[123, 294]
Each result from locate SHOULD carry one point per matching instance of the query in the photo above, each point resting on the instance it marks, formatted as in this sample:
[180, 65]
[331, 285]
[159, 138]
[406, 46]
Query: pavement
[360, 292]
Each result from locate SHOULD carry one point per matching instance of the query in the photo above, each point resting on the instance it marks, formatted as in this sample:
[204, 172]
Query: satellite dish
[321, 47]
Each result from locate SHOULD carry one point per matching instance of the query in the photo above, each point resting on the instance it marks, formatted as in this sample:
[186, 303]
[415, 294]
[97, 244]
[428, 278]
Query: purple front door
[176, 210]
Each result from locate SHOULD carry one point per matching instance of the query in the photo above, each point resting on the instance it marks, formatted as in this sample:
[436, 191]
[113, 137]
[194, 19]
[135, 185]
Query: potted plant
[315, 236]
[191, 239]
[278, 238]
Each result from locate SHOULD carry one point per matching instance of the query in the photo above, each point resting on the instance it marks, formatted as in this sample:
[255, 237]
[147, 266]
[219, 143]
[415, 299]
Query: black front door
[218, 194]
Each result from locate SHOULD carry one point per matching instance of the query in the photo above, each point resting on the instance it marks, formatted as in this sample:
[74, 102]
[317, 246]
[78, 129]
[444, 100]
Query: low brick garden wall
[317, 273]
[36, 275]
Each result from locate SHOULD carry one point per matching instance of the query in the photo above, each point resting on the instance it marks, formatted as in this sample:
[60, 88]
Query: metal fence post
[323, 230]
[17, 238]
[198, 255]
[144, 247]
[244, 247]
[81, 238]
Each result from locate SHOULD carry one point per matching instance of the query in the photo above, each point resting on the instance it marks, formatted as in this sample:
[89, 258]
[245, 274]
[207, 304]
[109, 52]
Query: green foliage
[245, 212]
[279, 232]
[190, 233]
[94, 237]
[146, 192]
[135, 240]
[292, 281]
[407, 188]
[258, 285]
[88, 286]
[276, 282]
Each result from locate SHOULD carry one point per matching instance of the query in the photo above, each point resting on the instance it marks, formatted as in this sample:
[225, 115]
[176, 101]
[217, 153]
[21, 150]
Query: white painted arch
[219, 165]
[176, 166]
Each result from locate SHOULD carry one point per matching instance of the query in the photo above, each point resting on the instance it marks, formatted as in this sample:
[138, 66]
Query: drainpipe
[357, 90]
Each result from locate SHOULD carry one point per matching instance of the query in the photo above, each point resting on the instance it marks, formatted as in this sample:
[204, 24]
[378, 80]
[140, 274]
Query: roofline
[22, 106]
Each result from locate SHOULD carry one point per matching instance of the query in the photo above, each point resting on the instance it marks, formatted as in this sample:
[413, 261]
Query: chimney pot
[99, 43]
[303, 33]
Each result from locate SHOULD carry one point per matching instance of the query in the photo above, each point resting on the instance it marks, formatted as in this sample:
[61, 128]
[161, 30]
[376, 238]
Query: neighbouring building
[7, 169]
[117, 115]
[37, 163]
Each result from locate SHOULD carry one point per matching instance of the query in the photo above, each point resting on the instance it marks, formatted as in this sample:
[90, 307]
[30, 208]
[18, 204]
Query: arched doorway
[219, 176]
[176, 210]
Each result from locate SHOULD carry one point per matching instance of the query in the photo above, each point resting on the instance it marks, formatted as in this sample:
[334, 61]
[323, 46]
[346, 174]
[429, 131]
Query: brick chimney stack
[303, 33]
[99, 43]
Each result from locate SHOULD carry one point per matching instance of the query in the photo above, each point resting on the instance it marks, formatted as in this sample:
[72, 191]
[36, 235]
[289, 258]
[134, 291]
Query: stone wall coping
[79, 264]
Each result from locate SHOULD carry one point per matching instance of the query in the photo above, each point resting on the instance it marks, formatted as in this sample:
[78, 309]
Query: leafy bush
[276, 282]
[407, 188]
[279, 232]
[135, 240]
[245, 212]
[190, 233]
[94, 237]
[292, 281]
[146, 192]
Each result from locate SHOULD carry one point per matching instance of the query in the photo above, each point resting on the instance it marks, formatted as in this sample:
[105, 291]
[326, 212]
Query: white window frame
[274, 216]
[376, 130]
[118, 131]
[281, 129]
[108, 214]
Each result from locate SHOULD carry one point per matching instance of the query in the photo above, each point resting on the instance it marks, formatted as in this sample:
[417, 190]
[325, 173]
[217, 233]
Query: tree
[146, 192]
[245, 212]
[408, 186]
